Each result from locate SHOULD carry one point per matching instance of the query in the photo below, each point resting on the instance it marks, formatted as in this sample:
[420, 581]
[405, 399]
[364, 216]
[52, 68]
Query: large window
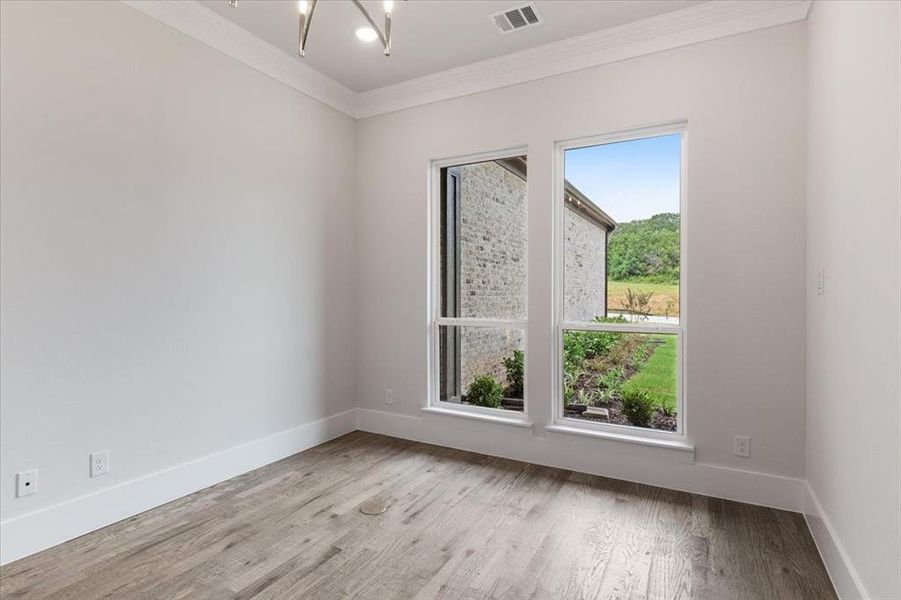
[620, 310]
[479, 216]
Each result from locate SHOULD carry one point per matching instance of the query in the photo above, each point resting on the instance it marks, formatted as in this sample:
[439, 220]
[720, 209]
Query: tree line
[645, 250]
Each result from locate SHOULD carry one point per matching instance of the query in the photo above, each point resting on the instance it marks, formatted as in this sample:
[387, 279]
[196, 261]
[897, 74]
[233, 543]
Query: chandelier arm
[304, 28]
[386, 41]
[305, 18]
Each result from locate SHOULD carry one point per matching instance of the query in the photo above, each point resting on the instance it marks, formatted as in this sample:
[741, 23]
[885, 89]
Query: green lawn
[665, 300]
[658, 375]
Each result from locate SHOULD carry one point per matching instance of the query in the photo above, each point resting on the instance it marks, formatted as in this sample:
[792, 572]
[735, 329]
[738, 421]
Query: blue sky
[629, 180]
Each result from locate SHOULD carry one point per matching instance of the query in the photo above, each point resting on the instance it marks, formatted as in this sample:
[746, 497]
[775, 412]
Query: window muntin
[480, 227]
[620, 317]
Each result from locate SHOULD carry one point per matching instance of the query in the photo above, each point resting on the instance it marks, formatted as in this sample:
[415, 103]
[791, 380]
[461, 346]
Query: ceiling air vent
[515, 18]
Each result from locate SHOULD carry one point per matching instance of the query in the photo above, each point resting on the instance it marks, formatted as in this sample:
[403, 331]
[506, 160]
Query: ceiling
[428, 35]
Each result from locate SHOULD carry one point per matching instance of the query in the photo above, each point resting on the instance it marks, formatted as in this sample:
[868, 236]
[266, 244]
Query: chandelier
[366, 34]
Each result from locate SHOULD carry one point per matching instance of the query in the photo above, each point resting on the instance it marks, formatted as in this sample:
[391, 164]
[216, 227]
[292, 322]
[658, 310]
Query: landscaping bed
[608, 376]
[631, 375]
[658, 421]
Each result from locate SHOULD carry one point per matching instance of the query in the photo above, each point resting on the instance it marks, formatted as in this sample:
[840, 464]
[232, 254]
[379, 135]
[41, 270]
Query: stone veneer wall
[586, 265]
[493, 225]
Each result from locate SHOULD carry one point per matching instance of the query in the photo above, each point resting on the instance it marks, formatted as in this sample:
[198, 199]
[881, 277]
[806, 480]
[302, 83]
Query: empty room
[450, 299]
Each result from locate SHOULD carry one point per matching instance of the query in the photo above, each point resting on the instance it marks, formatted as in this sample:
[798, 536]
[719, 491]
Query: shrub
[586, 397]
[640, 354]
[638, 303]
[598, 343]
[611, 380]
[573, 350]
[579, 346]
[571, 376]
[638, 407]
[616, 319]
[515, 366]
[669, 308]
[667, 406]
[485, 391]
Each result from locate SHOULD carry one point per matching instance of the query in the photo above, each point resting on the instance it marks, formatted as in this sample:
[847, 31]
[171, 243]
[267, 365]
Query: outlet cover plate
[742, 446]
[26, 483]
[99, 463]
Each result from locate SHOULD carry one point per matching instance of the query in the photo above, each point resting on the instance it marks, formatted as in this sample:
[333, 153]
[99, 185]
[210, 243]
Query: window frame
[450, 294]
[435, 318]
[559, 301]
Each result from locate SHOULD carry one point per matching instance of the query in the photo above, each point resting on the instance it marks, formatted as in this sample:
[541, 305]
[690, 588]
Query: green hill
[645, 250]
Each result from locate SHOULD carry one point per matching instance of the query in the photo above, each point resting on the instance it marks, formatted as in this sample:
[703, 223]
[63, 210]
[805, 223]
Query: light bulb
[303, 6]
[366, 34]
[389, 5]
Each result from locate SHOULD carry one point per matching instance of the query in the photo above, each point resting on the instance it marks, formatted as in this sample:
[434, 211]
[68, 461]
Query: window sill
[678, 445]
[478, 416]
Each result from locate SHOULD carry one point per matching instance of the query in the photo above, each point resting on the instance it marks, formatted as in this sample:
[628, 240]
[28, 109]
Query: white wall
[853, 338]
[176, 250]
[743, 97]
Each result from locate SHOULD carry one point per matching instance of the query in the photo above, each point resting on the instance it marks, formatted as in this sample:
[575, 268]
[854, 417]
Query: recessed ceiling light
[366, 34]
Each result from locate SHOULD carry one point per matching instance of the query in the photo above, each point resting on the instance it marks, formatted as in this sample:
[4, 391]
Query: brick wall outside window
[493, 266]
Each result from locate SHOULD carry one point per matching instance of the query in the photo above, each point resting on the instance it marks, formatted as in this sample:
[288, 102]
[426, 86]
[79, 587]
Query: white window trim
[489, 415]
[435, 320]
[669, 443]
[558, 420]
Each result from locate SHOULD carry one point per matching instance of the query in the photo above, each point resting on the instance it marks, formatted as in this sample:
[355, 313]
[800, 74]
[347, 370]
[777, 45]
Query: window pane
[621, 378]
[622, 231]
[483, 240]
[482, 366]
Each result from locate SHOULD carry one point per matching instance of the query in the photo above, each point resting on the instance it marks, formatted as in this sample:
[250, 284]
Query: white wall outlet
[26, 483]
[821, 281]
[389, 397]
[742, 445]
[99, 463]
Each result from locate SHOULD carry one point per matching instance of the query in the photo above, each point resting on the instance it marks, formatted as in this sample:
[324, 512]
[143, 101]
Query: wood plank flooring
[458, 525]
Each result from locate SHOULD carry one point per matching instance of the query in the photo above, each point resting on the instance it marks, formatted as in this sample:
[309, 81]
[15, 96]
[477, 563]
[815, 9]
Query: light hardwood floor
[458, 525]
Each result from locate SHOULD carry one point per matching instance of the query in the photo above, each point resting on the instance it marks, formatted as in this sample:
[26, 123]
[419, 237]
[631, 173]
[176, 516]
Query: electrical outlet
[742, 445]
[26, 483]
[389, 397]
[99, 463]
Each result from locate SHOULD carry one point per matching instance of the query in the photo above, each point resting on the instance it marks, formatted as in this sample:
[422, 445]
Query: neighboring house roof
[574, 198]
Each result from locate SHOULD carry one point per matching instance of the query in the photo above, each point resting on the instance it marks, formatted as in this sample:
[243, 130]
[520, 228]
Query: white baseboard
[393, 424]
[36, 531]
[619, 460]
[844, 576]
[32, 532]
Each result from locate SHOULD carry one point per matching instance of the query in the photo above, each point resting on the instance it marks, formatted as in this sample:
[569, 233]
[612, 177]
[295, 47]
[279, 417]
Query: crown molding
[204, 25]
[700, 23]
[692, 25]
